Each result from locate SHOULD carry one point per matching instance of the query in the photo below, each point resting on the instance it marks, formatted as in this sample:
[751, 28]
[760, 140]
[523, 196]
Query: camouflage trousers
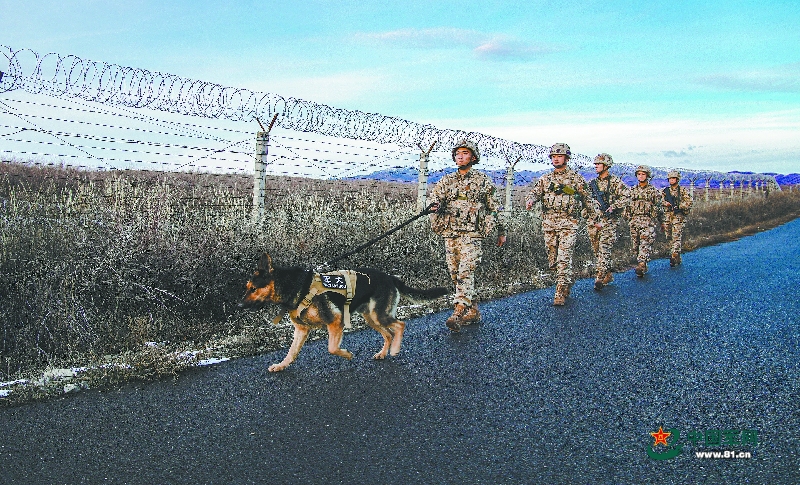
[603, 240]
[675, 223]
[643, 235]
[463, 253]
[560, 232]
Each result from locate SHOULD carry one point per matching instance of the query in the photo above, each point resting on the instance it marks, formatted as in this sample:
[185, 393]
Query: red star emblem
[661, 437]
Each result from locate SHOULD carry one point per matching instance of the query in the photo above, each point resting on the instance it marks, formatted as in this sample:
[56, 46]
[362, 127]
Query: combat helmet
[469, 146]
[560, 149]
[674, 174]
[645, 169]
[605, 159]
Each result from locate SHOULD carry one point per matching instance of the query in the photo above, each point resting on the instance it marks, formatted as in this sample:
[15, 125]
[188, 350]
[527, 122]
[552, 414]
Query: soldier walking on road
[465, 211]
[565, 197]
[677, 203]
[645, 212]
[612, 196]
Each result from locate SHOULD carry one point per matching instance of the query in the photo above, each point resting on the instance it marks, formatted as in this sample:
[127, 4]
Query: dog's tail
[415, 294]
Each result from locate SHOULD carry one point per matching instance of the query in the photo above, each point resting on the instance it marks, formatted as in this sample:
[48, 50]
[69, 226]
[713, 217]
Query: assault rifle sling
[600, 196]
[673, 201]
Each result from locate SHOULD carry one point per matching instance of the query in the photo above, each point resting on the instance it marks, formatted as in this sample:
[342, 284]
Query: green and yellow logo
[669, 443]
[667, 451]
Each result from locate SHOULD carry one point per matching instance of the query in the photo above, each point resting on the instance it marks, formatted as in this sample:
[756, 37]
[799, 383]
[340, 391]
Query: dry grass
[96, 267]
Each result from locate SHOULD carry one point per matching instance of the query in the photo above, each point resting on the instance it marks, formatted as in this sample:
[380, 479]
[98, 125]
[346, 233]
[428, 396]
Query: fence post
[509, 187]
[260, 170]
[422, 179]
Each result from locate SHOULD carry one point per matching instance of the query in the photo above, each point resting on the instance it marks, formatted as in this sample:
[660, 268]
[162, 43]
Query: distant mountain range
[525, 177]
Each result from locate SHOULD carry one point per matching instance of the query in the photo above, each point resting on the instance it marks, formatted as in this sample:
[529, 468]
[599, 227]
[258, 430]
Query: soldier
[612, 195]
[677, 203]
[565, 197]
[465, 208]
[645, 213]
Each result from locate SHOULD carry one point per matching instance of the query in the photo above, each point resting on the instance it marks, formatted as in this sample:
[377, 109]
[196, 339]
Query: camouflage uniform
[468, 213]
[645, 212]
[565, 197]
[675, 217]
[465, 212]
[616, 195]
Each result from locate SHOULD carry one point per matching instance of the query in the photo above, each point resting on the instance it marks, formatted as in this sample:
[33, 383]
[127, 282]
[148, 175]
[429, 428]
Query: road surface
[535, 394]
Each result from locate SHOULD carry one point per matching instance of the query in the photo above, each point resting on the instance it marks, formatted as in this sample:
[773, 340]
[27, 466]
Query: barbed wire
[79, 81]
[69, 76]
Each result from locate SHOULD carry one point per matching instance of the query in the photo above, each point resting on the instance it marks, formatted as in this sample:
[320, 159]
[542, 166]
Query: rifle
[600, 196]
[673, 201]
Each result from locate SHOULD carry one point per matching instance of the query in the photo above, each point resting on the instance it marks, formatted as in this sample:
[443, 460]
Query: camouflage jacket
[565, 193]
[610, 193]
[467, 205]
[646, 201]
[682, 200]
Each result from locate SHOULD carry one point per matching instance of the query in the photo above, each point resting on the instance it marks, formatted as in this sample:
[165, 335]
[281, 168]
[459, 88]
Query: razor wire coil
[70, 77]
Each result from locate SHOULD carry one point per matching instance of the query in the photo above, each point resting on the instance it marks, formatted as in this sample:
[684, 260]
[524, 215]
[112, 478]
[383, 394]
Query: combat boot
[559, 299]
[454, 322]
[471, 315]
[678, 258]
[598, 283]
[674, 260]
[641, 269]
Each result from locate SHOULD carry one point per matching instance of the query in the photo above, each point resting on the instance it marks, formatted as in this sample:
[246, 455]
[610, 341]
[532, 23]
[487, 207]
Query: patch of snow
[212, 361]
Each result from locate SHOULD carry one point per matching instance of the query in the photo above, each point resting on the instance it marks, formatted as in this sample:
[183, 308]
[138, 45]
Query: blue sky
[706, 85]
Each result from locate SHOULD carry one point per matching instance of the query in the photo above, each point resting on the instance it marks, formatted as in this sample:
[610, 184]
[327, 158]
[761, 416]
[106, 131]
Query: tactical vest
[642, 203]
[560, 198]
[675, 201]
[342, 282]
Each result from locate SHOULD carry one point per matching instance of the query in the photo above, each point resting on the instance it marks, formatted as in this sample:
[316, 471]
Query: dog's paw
[380, 355]
[277, 367]
[394, 352]
[347, 355]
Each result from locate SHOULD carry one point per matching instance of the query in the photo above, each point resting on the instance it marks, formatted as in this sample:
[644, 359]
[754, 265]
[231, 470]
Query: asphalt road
[535, 394]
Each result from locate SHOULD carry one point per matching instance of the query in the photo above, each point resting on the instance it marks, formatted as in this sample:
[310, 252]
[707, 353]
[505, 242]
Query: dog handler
[465, 211]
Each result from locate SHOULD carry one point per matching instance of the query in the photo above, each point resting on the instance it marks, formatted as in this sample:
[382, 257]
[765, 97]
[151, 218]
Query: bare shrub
[94, 264]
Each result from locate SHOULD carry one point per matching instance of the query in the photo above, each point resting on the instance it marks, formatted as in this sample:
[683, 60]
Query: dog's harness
[342, 282]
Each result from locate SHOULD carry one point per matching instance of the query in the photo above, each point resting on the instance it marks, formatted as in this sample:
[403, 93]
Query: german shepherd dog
[375, 298]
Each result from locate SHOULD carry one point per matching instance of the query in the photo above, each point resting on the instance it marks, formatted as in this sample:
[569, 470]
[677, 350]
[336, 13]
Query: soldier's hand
[598, 225]
[501, 241]
[529, 204]
[434, 207]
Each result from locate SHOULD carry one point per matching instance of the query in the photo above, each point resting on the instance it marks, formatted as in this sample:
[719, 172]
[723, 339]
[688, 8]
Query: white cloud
[484, 45]
[424, 38]
[780, 79]
[334, 89]
[765, 142]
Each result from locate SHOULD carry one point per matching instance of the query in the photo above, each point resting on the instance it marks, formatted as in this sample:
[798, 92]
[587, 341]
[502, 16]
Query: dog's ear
[265, 263]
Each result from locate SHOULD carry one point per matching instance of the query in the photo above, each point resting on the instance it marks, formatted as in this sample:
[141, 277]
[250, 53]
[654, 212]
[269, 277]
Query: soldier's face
[599, 167]
[464, 157]
[558, 160]
[641, 177]
[673, 180]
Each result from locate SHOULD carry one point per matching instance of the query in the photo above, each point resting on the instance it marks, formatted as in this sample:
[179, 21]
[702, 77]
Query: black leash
[369, 243]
